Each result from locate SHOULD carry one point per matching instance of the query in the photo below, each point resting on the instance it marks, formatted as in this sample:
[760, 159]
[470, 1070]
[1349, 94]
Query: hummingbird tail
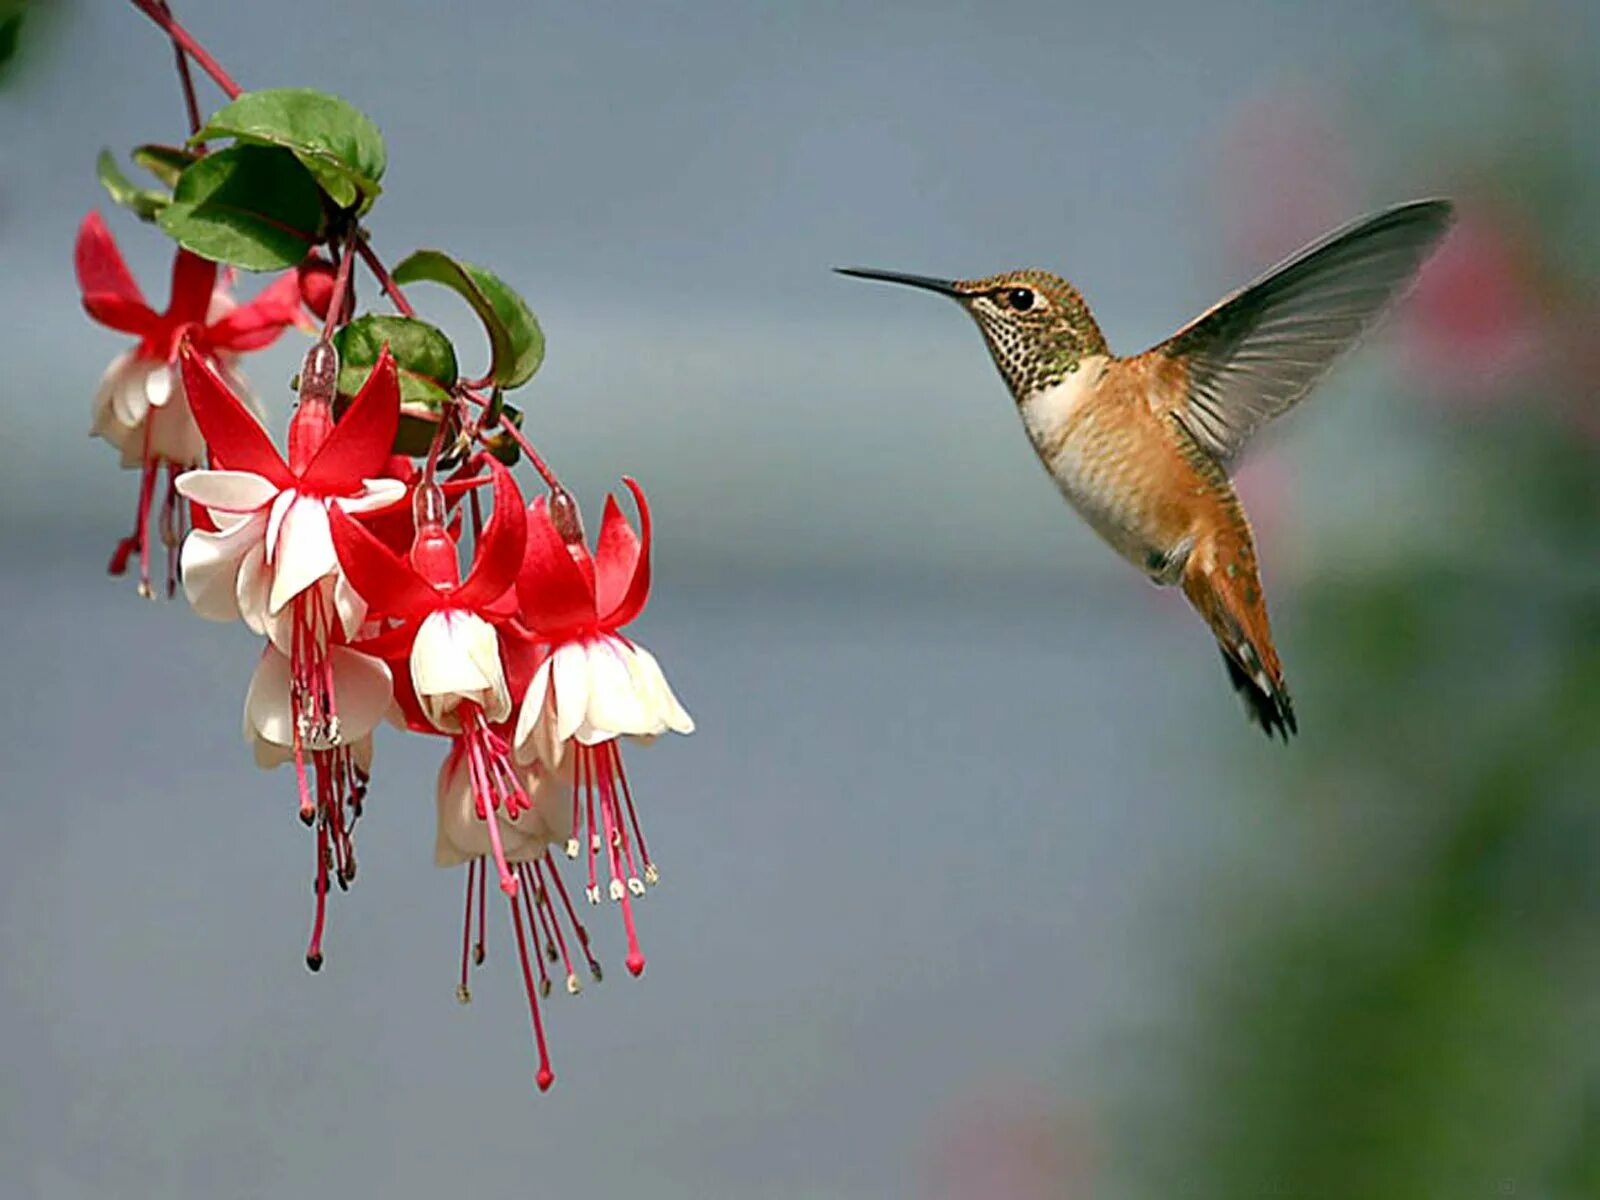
[1231, 603]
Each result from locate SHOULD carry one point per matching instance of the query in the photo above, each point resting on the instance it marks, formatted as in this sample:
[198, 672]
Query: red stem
[158, 13]
[185, 79]
[341, 290]
[385, 280]
[516, 435]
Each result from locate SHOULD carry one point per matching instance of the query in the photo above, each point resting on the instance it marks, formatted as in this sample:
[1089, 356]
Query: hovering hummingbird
[1142, 446]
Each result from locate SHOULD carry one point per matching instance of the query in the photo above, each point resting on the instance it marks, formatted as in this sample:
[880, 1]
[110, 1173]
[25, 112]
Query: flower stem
[385, 280]
[341, 289]
[185, 78]
[158, 12]
[517, 436]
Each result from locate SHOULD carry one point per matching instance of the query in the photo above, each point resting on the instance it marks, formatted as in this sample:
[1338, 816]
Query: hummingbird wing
[1260, 350]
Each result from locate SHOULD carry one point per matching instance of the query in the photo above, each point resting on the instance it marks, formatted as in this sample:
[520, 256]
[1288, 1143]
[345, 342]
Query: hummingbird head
[1036, 324]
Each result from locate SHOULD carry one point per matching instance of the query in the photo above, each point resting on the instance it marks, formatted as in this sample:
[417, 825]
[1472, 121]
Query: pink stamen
[481, 952]
[527, 904]
[546, 1076]
[485, 795]
[572, 916]
[650, 872]
[314, 950]
[147, 485]
[463, 992]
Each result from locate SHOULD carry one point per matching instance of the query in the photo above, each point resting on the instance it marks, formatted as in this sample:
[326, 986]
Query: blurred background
[976, 881]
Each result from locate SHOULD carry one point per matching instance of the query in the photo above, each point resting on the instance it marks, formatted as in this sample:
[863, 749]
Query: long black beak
[928, 284]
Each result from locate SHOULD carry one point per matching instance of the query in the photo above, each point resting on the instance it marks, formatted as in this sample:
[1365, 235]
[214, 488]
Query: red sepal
[194, 279]
[380, 577]
[100, 265]
[121, 314]
[622, 562]
[358, 447]
[556, 595]
[497, 558]
[236, 440]
[258, 324]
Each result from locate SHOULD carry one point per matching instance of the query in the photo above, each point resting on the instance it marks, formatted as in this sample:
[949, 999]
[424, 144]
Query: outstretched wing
[1256, 353]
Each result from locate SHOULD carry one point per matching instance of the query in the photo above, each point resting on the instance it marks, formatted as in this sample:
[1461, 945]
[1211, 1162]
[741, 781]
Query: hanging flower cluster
[360, 553]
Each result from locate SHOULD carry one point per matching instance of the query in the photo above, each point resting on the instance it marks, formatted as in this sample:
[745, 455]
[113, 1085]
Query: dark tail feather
[1270, 709]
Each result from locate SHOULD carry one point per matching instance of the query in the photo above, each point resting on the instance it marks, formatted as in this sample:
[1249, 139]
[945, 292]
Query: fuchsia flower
[595, 686]
[141, 408]
[271, 562]
[455, 683]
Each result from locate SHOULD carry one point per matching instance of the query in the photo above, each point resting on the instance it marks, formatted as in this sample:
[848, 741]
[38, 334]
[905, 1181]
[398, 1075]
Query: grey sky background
[935, 848]
[668, 185]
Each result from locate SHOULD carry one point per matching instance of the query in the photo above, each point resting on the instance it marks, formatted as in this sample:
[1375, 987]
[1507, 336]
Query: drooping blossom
[595, 686]
[140, 407]
[441, 633]
[270, 561]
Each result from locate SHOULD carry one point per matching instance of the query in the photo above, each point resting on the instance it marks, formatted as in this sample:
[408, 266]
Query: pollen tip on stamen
[314, 961]
[544, 988]
[479, 954]
[636, 885]
[651, 875]
[592, 894]
[545, 1078]
[574, 985]
[616, 890]
[308, 815]
[146, 592]
[594, 842]
[463, 994]
[636, 964]
[572, 847]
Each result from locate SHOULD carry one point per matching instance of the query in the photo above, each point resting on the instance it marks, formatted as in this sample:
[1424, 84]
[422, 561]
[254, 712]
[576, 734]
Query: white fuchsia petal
[615, 708]
[268, 715]
[375, 494]
[656, 692]
[158, 385]
[362, 687]
[534, 737]
[456, 657]
[129, 402]
[210, 566]
[227, 491]
[461, 835]
[348, 603]
[280, 510]
[570, 679]
[174, 436]
[251, 588]
[303, 552]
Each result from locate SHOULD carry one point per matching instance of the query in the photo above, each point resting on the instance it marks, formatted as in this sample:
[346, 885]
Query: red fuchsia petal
[616, 559]
[121, 314]
[256, 325]
[233, 435]
[380, 577]
[497, 557]
[100, 266]
[631, 603]
[520, 658]
[358, 448]
[193, 280]
[314, 278]
[392, 645]
[556, 596]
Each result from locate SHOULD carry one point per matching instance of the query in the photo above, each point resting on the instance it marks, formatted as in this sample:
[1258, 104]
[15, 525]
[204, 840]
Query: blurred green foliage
[1411, 1011]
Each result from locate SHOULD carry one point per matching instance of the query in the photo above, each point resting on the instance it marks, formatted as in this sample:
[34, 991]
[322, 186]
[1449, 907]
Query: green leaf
[423, 355]
[255, 207]
[501, 444]
[516, 342]
[145, 203]
[166, 163]
[336, 141]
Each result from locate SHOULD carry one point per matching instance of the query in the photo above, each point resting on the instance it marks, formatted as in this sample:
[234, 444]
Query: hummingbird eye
[1020, 299]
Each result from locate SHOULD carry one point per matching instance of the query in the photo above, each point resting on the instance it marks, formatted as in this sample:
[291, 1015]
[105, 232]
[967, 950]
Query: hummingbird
[1142, 447]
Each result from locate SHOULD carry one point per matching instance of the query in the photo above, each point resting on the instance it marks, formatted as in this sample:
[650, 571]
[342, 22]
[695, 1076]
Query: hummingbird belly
[1112, 465]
